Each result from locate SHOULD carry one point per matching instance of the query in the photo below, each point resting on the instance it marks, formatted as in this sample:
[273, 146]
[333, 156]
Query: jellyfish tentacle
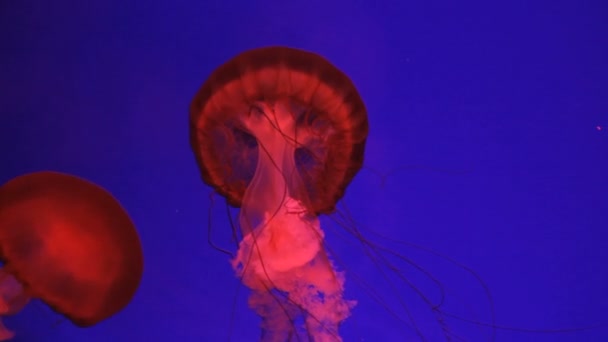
[12, 300]
[280, 132]
[5, 333]
[282, 245]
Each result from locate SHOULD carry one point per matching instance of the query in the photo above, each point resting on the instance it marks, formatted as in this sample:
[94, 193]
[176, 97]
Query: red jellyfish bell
[280, 133]
[69, 243]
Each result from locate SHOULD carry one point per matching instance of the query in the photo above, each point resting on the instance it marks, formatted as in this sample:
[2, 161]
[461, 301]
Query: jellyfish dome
[280, 133]
[69, 243]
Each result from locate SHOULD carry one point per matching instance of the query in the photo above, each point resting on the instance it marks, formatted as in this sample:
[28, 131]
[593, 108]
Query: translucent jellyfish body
[280, 133]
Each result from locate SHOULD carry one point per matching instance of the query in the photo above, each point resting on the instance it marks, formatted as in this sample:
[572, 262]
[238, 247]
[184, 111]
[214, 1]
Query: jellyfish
[280, 133]
[69, 243]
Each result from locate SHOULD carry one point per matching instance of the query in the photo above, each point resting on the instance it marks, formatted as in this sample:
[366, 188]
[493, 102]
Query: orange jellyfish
[69, 243]
[280, 133]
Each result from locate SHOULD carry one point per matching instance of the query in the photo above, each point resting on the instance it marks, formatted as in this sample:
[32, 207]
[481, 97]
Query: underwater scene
[303, 171]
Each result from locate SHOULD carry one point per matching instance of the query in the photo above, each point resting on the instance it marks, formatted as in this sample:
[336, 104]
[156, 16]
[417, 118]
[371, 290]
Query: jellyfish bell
[280, 133]
[69, 243]
[287, 87]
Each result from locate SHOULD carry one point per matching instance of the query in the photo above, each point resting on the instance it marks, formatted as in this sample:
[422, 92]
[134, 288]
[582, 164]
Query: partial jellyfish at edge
[69, 243]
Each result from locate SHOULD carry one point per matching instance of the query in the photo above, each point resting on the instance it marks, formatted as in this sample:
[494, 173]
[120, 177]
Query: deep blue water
[488, 144]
